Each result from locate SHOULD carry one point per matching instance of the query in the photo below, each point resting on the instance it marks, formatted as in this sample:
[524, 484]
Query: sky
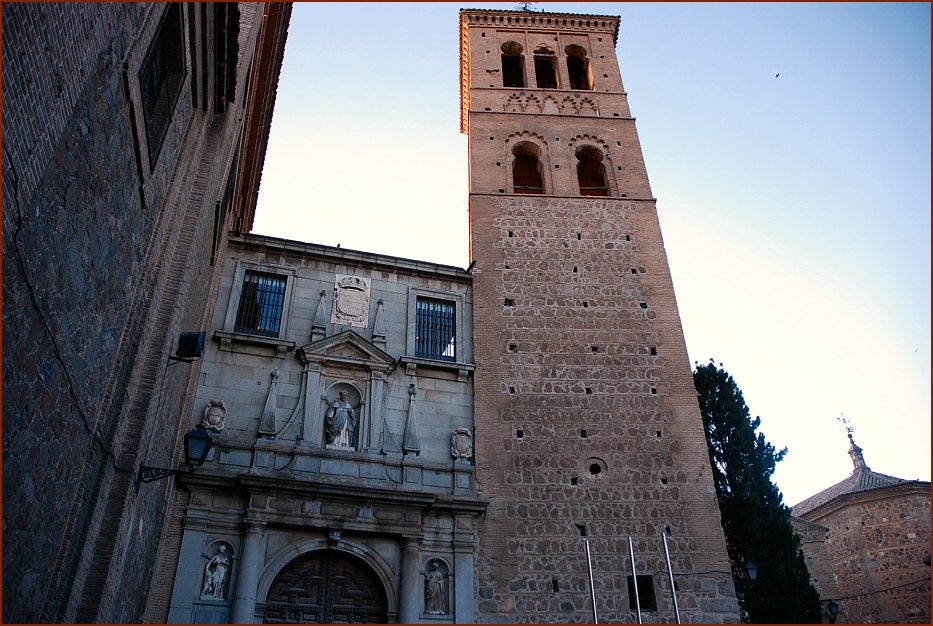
[788, 146]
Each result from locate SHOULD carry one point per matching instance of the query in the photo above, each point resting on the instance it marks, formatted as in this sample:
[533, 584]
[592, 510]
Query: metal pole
[670, 573]
[589, 565]
[631, 552]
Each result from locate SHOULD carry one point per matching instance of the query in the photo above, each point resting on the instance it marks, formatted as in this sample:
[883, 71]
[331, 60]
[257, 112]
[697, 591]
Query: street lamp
[197, 445]
[751, 571]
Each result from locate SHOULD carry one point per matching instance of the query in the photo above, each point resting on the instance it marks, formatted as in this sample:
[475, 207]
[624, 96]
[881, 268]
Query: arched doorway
[326, 587]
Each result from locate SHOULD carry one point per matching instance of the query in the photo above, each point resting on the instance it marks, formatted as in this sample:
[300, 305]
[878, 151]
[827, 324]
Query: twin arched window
[527, 170]
[545, 60]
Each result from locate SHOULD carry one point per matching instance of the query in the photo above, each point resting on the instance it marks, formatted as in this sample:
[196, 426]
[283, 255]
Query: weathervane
[855, 452]
[525, 6]
[845, 422]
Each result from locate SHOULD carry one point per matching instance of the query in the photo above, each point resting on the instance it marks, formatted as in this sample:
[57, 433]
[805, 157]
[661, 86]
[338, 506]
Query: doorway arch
[326, 587]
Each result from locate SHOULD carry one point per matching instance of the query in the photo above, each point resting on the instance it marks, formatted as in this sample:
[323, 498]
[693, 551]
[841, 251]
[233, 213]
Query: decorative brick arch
[611, 172]
[544, 157]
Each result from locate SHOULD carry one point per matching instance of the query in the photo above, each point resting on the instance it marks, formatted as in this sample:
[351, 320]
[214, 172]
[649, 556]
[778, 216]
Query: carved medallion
[351, 301]
[214, 415]
[461, 444]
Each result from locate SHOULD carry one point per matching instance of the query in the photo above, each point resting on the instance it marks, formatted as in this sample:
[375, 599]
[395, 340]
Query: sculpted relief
[351, 301]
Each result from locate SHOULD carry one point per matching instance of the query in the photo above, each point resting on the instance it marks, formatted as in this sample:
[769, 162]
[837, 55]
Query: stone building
[394, 440]
[874, 558]
[342, 384]
[133, 139]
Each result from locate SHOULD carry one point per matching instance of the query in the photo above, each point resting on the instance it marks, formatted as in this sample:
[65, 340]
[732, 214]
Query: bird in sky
[778, 74]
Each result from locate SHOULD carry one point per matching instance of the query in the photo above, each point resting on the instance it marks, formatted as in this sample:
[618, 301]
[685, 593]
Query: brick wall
[106, 259]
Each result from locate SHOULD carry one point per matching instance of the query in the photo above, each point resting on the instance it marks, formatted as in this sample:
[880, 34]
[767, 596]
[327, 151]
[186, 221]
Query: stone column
[377, 383]
[313, 431]
[189, 571]
[463, 583]
[244, 600]
[411, 592]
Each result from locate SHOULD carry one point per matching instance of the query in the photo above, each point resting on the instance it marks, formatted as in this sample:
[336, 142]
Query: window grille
[435, 329]
[160, 78]
[261, 301]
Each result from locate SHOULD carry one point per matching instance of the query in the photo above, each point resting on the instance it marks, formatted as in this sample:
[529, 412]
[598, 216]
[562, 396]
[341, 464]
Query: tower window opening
[591, 172]
[646, 596]
[513, 70]
[546, 68]
[526, 169]
[578, 67]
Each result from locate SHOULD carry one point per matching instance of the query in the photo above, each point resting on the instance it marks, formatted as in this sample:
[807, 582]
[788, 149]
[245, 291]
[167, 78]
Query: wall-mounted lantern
[197, 445]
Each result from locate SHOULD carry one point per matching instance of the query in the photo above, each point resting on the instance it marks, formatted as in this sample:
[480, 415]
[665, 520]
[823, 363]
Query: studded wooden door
[326, 587]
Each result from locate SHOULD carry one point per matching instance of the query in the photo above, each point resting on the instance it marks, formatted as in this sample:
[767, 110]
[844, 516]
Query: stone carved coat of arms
[351, 301]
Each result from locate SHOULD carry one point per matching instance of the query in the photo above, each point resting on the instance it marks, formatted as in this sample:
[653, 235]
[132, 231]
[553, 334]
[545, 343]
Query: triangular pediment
[348, 348]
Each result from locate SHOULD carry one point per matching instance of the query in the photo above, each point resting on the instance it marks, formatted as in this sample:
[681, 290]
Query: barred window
[160, 78]
[261, 302]
[435, 329]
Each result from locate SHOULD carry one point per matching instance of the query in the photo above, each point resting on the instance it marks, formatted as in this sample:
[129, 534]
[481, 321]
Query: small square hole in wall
[654, 391]
[586, 304]
[502, 191]
[574, 269]
[487, 108]
[498, 164]
[619, 168]
[579, 236]
[583, 434]
[512, 234]
[589, 391]
[509, 302]
[634, 271]
[643, 305]
[615, 115]
[667, 529]
[554, 585]
[556, 167]
[595, 349]
[482, 34]
[574, 480]
[653, 351]
[618, 143]
[628, 237]
[663, 481]
[657, 434]
[512, 390]
[605, 75]
[513, 347]
[491, 138]
[519, 434]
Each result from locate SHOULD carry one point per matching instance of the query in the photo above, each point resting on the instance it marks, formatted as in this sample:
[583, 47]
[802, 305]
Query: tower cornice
[522, 20]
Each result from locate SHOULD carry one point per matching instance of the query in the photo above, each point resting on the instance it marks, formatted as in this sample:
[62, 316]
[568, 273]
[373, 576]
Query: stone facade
[877, 546]
[396, 496]
[121, 123]
[586, 415]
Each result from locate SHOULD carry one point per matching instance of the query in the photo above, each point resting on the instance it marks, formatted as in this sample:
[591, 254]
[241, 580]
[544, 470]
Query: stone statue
[215, 575]
[434, 603]
[214, 416]
[461, 444]
[340, 421]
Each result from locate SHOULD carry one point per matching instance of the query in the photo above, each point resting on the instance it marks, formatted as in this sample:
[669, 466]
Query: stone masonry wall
[106, 261]
[878, 547]
[586, 415]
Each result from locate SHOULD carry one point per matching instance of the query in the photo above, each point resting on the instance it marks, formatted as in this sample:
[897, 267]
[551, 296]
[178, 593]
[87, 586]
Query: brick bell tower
[586, 415]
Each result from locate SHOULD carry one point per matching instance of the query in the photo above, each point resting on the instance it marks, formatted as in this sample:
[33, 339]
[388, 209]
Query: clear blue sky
[795, 209]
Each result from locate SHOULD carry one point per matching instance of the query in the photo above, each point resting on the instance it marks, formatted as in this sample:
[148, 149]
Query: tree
[754, 518]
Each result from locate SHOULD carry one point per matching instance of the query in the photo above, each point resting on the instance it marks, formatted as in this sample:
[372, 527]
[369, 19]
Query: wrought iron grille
[260, 309]
[436, 329]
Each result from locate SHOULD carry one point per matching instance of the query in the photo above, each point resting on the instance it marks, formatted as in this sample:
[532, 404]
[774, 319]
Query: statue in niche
[434, 598]
[214, 416]
[340, 421]
[215, 575]
[461, 444]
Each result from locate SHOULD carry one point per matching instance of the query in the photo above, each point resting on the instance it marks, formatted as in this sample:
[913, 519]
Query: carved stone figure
[434, 599]
[351, 301]
[340, 421]
[461, 444]
[214, 415]
[215, 575]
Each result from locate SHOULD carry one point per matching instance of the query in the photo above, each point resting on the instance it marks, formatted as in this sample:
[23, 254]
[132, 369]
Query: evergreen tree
[754, 518]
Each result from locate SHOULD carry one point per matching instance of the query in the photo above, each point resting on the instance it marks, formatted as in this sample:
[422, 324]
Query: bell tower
[588, 432]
